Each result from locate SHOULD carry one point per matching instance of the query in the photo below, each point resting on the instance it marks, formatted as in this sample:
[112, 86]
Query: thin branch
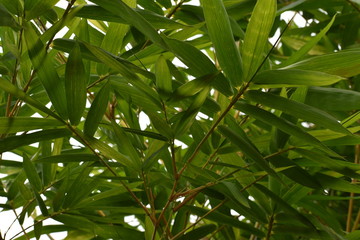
[271, 224]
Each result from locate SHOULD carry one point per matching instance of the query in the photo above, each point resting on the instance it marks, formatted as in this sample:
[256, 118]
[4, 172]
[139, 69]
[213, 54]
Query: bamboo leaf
[199, 63]
[46, 72]
[163, 77]
[344, 63]
[256, 36]
[131, 17]
[97, 110]
[222, 218]
[220, 32]
[199, 233]
[297, 109]
[10, 88]
[310, 44]
[32, 174]
[333, 99]
[294, 77]
[75, 85]
[248, 149]
[64, 158]
[280, 123]
[21, 124]
[6, 19]
[10, 143]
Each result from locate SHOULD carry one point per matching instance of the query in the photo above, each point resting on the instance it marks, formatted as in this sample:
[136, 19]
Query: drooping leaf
[297, 109]
[119, 8]
[97, 110]
[75, 85]
[32, 174]
[46, 71]
[163, 76]
[248, 149]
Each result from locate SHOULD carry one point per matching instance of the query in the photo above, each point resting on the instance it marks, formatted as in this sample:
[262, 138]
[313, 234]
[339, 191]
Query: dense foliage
[247, 138]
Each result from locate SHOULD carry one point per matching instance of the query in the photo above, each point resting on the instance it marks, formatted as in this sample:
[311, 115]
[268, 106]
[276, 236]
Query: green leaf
[333, 99]
[343, 167]
[294, 77]
[224, 219]
[131, 17]
[45, 70]
[21, 124]
[75, 85]
[107, 59]
[10, 88]
[97, 110]
[199, 64]
[297, 109]
[256, 36]
[278, 122]
[244, 144]
[32, 174]
[284, 205]
[198, 233]
[337, 183]
[40, 8]
[108, 151]
[124, 144]
[309, 44]
[6, 19]
[163, 76]
[353, 235]
[13, 142]
[218, 25]
[64, 158]
[99, 13]
[345, 63]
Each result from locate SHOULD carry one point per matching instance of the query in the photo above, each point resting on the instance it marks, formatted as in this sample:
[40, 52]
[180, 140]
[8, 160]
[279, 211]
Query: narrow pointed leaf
[119, 8]
[13, 142]
[345, 168]
[199, 64]
[64, 158]
[6, 19]
[97, 110]
[13, 90]
[247, 148]
[163, 76]
[219, 29]
[75, 85]
[32, 174]
[310, 44]
[294, 77]
[46, 71]
[278, 122]
[345, 63]
[297, 109]
[333, 99]
[256, 36]
[20, 124]
[199, 233]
